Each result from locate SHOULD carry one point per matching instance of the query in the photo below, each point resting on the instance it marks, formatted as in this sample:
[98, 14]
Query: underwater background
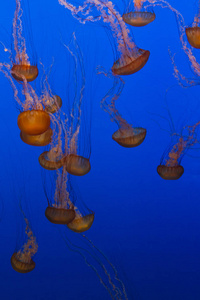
[148, 228]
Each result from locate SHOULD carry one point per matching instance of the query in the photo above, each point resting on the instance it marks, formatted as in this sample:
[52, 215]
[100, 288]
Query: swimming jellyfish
[22, 261]
[130, 59]
[170, 168]
[127, 135]
[21, 63]
[136, 15]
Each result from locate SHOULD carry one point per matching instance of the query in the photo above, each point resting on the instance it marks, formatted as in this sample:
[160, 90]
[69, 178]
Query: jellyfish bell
[53, 104]
[127, 65]
[139, 18]
[193, 36]
[20, 266]
[21, 71]
[59, 215]
[77, 165]
[170, 173]
[43, 139]
[33, 122]
[51, 160]
[131, 137]
[81, 223]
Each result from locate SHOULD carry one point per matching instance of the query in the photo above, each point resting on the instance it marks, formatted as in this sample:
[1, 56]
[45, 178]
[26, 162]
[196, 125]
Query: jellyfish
[126, 136]
[136, 15]
[21, 65]
[193, 32]
[43, 139]
[51, 102]
[84, 217]
[60, 208]
[170, 167]
[77, 139]
[21, 260]
[129, 59]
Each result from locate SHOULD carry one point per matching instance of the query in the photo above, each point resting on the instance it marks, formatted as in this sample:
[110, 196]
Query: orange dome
[37, 140]
[133, 66]
[27, 71]
[33, 122]
[170, 173]
[48, 164]
[193, 36]
[21, 267]
[129, 138]
[77, 165]
[81, 224]
[59, 215]
[139, 18]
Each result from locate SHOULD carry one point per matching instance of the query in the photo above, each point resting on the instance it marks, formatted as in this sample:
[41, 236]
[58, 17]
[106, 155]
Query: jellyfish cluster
[44, 120]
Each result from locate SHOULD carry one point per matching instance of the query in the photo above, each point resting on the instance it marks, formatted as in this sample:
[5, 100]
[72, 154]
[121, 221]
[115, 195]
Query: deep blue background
[148, 227]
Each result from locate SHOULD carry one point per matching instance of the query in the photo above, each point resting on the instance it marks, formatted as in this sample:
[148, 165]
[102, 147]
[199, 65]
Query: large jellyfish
[22, 66]
[33, 120]
[21, 260]
[136, 15]
[127, 135]
[130, 58]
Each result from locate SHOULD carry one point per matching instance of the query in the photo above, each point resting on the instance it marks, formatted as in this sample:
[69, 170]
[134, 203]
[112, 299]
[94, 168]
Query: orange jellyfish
[170, 168]
[43, 139]
[60, 210]
[22, 68]
[84, 217]
[126, 136]
[33, 119]
[54, 158]
[138, 16]
[129, 59]
[193, 32]
[21, 261]
[77, 140]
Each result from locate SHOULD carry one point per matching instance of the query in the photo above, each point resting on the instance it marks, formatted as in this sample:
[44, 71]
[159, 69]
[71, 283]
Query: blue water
[149, 228]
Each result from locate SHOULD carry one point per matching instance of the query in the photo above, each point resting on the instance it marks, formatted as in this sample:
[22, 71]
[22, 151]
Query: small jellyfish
[170, 168]
[77, 165]
[193, 31]
[59, 215]
[43, 139]
[129, 137]
[51, 160]
[52, 104]
[81, 223]
[33, 122]
[61, 209]
[77, 139]
[137, 16]
[22, 69]
[21, 261]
